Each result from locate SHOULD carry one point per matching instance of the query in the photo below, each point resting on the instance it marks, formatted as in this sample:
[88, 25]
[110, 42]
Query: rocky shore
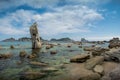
[97, 63]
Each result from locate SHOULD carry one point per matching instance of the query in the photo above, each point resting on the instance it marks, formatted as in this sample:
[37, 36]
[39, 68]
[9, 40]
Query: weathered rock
[53, 52]
[93, 76]
[98, 51]
[89, 48]
[114, 56]
[5, 56]
[31, 56]
[36, 42]
[31, 75]
[99, 69]
[115, 74]
[80, 58]
[37, 63]
[22, 54]
[49, 46]
[114, 43]
[91, 63]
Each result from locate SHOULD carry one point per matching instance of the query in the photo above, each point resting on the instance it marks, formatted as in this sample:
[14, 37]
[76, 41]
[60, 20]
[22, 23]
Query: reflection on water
[11, 68]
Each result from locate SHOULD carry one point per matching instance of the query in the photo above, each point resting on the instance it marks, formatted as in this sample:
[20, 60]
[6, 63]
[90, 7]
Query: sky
[90, 19]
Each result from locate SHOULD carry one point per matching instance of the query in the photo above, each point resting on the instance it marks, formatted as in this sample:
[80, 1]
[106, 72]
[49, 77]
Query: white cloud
[67, 19]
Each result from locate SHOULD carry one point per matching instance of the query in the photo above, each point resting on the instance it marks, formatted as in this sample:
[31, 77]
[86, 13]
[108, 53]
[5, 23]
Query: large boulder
[114, 43]
[80, 58]
[91, 63]
[98, 51]
[36, 42]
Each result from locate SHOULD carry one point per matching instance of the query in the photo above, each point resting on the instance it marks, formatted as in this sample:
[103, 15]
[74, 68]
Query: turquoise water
[10, 69]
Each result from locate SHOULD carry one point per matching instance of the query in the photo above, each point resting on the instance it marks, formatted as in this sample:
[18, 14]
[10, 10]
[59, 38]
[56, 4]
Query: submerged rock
[22, 54]
[53, 52]
[80, 58]
[12, 47]
[49, 69]
[31, 75]
[31, 56]
[6, 56]
[37, 63]
[91, 63]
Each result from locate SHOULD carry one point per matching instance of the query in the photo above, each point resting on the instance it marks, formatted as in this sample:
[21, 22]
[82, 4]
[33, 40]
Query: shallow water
[10, 70]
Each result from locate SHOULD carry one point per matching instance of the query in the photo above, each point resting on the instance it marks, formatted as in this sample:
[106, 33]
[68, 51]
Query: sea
[10, 69]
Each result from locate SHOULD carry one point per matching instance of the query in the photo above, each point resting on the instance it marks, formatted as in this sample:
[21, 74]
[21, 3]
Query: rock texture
[114, 43]
[36, 42]
[80, 58]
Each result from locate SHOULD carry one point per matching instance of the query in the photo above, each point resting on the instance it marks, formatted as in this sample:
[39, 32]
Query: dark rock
[114, 43]
[12, 47]
[80, 58]
[53, 52]
[31, 56]
[5, 56]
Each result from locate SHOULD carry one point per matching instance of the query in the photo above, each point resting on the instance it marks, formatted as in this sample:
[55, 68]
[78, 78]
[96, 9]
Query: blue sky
[90, 19]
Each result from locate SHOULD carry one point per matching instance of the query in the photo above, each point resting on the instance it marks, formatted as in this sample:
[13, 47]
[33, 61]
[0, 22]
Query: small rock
[91, 63]
[22, 54]
[12, 47]
[53, 52]
[31, 56]
[80, 58]
[99, 69]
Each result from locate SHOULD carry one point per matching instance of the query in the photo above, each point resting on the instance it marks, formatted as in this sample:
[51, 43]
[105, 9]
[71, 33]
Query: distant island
[23, 39]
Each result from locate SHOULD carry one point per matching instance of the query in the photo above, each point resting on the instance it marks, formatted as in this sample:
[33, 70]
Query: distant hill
[62, 39]
[24, 39]
[20, 39]
[9, 39]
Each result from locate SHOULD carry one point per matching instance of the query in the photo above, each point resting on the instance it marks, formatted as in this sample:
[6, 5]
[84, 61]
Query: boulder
[98, 51]
[91, 63]
[114, 43]
[5, 56]
[80, 58]
[36, 42]
[37, 63]
[99, 69]
[22, 54]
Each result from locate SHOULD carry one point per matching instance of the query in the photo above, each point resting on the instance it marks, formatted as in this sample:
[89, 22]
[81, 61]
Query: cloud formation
[66, 19]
